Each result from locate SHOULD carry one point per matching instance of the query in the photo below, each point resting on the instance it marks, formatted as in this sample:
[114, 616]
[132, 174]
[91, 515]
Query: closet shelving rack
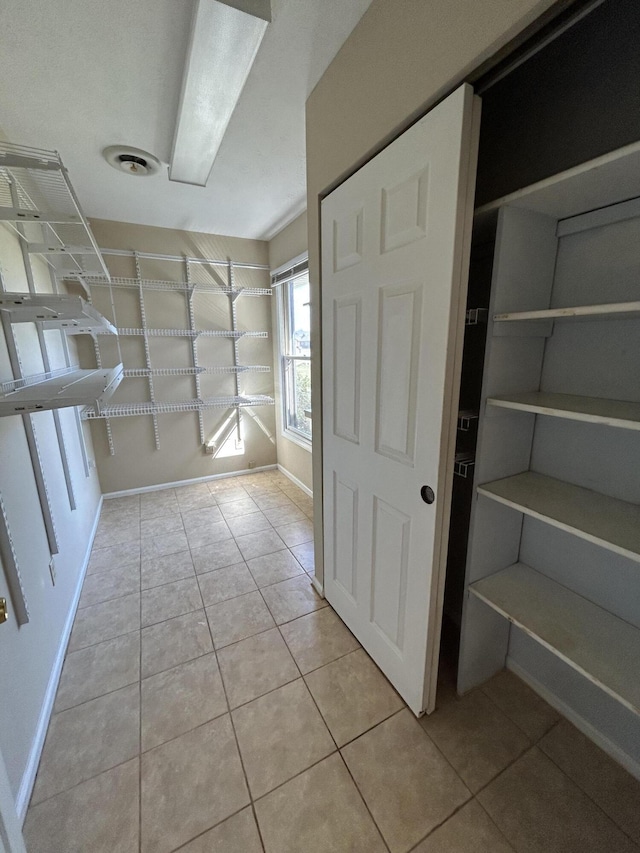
[197, 276]
[38, 203]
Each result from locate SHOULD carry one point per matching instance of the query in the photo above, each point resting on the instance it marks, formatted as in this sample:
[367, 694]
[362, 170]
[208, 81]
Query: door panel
[395, 240]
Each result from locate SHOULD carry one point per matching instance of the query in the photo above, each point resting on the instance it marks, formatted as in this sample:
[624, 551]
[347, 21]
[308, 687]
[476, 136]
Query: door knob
[4, 613]
[427, 494]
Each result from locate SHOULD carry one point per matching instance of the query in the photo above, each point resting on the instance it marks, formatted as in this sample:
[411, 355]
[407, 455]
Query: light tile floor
[210, 702]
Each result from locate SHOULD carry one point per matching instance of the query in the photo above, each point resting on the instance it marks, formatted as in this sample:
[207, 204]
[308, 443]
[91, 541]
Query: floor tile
[71, 823]
[208, 535]
[272, 497]
[161, 525]
[604, 780]
[353, 695]
[89, 739]
[203, 517]
[292, 598]
[117, 536]
[318, 638]
[518, 701]
[470, 830]
[255, 666]
[238, 618]
[540, 810]
[216, 556]
[234, 509]
[96, 670]
[304, 554]
[154, 504]
[296, 533]
[160, 570]
[316, 812]
[100, 622]
[280, 515]
[104, 559]
[273, 568]
[189, 784]
[227, 493]
[257, 544]
[159, 546]
[237, 834]
[173, 642]
[195, 500]
[130, 503]
[407, 784]
[103, 586]
[253, 523]
[180, 699]
[280, 735]
[476, 737]
[173, 599]
[226, 583]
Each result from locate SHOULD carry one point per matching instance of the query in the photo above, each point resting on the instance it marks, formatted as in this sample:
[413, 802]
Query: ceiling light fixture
[224, 41]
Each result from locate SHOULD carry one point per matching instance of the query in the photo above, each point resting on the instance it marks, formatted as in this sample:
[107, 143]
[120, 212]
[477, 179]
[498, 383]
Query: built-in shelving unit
[604, 648]
[55, 311]
[552, 583]
[606, 521]
[595, 410]
[66, 388]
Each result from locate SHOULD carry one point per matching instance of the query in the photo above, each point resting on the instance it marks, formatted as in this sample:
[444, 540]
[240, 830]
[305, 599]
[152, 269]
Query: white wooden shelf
[594, 410]
[610, 310]
[56, 311]
[125, 410]
[604, 648]
[606, 521]
[59, 389]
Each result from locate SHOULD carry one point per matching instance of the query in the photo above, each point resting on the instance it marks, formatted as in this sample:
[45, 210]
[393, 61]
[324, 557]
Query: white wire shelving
[141, 372]
[58, 389]
[190, 333]
[124, 410]
[55, 311]
[35, 191]
[180, 287]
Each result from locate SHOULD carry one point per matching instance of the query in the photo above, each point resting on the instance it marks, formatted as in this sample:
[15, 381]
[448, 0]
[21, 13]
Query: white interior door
[395, 247]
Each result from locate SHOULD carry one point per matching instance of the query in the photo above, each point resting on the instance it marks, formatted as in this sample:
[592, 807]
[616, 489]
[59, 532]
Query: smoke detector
[133, 161]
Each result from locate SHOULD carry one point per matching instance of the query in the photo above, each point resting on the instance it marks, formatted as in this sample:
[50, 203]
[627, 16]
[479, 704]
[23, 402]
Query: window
[295, 353]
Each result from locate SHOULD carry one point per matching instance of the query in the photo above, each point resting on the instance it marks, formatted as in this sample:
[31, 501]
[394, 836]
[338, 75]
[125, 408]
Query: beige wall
[136, 462]
[31, 655]
[400, 59]
[288, 244]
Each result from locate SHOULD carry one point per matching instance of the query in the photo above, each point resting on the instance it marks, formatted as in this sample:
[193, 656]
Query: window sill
[296, 438]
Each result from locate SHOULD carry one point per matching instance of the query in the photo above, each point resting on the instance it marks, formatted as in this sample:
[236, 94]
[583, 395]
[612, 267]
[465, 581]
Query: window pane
[299, 395]
[300, 320]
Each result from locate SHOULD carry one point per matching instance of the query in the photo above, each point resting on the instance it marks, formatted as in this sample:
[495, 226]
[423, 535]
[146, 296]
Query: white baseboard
[193, 482]
[295, 480]
[579, 722]
[29, 775]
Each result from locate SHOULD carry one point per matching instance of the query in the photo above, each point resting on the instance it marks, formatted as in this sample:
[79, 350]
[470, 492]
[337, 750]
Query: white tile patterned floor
[211, 702]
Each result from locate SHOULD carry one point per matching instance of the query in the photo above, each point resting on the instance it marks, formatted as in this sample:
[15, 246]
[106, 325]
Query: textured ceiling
[78, 75]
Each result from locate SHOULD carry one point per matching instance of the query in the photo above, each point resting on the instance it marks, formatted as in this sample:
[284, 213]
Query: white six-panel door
[395, 242]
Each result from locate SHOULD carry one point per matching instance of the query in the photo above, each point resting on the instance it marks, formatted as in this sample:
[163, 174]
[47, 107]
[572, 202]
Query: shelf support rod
[236, 352]
[194, 344]
[12, 570]
[147, 355]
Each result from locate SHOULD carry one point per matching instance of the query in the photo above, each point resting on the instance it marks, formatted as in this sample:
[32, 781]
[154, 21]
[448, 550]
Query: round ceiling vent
[133, 161]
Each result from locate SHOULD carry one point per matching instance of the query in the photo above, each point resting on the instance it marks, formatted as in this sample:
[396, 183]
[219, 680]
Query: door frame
[11, 840]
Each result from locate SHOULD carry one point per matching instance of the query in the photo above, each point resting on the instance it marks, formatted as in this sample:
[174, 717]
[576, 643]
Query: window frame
[285, 279]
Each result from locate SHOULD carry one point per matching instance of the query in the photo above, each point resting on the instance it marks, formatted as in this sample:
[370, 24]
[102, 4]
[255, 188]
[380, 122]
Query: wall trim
[315, 583]
[295, 480]
[579, 722]
[193, 482]
[37, 744]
